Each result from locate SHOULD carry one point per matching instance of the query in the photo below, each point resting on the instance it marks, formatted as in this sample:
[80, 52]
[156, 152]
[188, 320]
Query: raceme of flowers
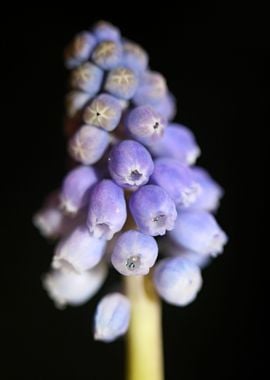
[133, 198]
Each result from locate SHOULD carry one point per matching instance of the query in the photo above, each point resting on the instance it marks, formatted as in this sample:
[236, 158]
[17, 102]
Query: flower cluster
[132, 195]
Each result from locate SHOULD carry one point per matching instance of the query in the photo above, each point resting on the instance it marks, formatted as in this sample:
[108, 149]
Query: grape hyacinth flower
[153, 210]
[173, 249]
[76, 188]
[104, 112]
[79, 251]
[49, 219]
[105, 31]
[177, 180]
[88, 144]
[87, 77]
[134, 253]
[52, 222]
[211, 192]
[177, 280]
[121, 82]
[134, 57]
[79, 49]
[112, 317]
[107, 210]
[198, 230]
[131, 201]
[107, 55]
[130, 164]
[145, 124]
[67, 287]
[152, 88]
[178, 142]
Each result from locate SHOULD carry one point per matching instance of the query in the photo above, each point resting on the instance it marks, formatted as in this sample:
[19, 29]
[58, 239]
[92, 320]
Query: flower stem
[144, 340]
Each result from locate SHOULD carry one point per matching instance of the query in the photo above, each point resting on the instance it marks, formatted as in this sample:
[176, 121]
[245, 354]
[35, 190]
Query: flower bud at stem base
[144, 339]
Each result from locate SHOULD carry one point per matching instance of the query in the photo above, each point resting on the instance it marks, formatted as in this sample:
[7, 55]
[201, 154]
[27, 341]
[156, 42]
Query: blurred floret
[66, 287]
[112, 317]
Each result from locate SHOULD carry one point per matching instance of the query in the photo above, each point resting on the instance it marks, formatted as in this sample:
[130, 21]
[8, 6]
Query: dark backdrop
[215, 63]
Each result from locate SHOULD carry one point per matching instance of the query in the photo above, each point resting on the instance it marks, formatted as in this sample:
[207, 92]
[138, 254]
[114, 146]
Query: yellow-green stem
[144, 339]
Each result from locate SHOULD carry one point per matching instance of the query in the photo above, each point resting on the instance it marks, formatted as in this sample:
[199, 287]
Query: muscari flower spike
[131, 181]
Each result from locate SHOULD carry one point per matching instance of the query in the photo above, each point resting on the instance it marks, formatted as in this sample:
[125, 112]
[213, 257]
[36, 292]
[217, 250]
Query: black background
[215, 61]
